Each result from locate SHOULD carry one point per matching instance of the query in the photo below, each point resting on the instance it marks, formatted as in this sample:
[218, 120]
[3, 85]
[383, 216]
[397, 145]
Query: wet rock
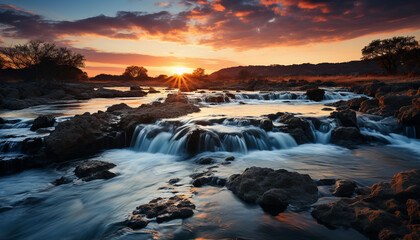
[229, 159]
[299, 128]
[152, 90]
[136, 88]
[347, 136]
[83, 135]
[61, 181]
[325, 182]
[327, 109]
[315, 94]
[32, 145]
[173, 98]
[370, 106]
[387, 211]
[394, 101]
[172, 181]
[161, 210]
[43, 122]
[266, 124]
[416, 103]
[356, 102]
[409, 115]
[344, 188]
[287, 187]
[345, 118]
[118, 108]
[93, 169]
[212, 181]
[206, 160]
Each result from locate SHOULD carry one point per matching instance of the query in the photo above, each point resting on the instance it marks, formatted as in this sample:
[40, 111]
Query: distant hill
[324, 69]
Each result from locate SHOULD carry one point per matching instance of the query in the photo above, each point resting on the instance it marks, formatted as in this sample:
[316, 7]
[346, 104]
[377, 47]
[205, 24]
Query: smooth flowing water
[33, 208]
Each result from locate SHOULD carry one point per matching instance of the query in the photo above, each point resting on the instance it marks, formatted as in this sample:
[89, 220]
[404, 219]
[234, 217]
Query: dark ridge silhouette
[307, 69]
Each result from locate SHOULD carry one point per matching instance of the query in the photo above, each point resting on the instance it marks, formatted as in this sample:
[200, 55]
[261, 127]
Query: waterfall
[190, 138]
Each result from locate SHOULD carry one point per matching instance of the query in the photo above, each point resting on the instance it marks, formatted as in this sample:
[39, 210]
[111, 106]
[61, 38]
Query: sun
[180, 70]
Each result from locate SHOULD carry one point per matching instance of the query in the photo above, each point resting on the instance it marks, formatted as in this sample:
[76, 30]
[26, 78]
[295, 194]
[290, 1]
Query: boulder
[344, 188]
[347, 136]
[388, 210]
[315, 94]
[211, 180]
[370, 106]
[118, 108]
[152, 90]
[345, 118]
[43, 122]
[409, 115]
[416, 103]
[206, 160]
[94, 169]
[299, 128]
[32, 145]
[161, 210]
[273, 189]
[83, 135]
[356, 102]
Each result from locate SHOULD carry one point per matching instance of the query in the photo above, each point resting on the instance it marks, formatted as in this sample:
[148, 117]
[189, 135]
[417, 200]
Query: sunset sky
[161, 35]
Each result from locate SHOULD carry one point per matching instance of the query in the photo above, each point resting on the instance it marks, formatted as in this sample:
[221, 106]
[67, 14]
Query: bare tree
[36, 52]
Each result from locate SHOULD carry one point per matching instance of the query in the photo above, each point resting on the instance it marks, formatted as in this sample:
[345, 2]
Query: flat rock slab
[90, 170]
[161, 210]
[272, 189]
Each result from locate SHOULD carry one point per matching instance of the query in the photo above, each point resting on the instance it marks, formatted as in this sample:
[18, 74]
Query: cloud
[239, 24]
[96, 56]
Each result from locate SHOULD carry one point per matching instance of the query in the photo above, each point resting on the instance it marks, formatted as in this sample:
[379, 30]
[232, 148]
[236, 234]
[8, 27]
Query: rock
[394, 101]
[61, 181]
[266, 124]
[152, 90]
[327, 109]
[212, 181]
[325, 182]
[409, 115]
[299, 128]
[416, 103]
[273, 201]
[413, 211]
[356, 102]
[315, 94]
[118, 107]
[288, 187]
[347, 136]
[172, 181]
[345, 118]
[43, 122]
[83, 135]
[161, 210]
[388, 211]
[32, 145]
[136, 222]
[344, 188]
[206, 160]
[370, 106]
[173, 98]
[229, 159]
[94, 169]
[136, 88]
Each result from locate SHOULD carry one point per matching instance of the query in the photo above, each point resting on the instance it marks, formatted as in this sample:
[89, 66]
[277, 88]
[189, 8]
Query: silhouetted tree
[38, 52]
[135, 73]
[411, 58]
[198, 73]
[389, 53]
